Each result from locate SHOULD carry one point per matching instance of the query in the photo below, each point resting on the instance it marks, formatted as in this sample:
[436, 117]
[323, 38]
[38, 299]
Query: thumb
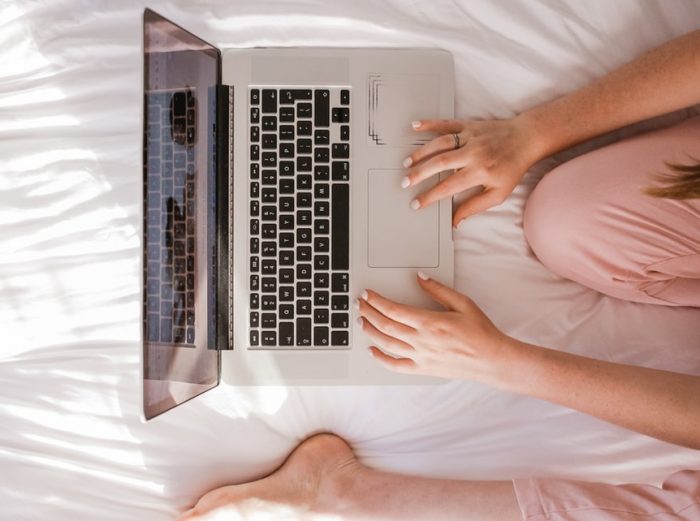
[443, 126]
[444, 295]
[478, 203]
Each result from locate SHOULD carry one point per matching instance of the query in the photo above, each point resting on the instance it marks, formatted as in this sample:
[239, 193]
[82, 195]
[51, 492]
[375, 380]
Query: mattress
[72, 445]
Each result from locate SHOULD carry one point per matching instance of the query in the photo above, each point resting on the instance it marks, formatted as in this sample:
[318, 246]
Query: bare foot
[306, 482]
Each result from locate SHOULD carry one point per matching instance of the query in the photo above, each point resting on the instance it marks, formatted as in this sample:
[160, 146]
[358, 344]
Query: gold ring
[457, 142]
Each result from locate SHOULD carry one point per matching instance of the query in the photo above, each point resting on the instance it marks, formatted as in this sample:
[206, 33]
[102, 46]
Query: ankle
[337, 489]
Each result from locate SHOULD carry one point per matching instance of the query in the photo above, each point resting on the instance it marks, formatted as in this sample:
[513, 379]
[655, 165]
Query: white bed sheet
[71, 443]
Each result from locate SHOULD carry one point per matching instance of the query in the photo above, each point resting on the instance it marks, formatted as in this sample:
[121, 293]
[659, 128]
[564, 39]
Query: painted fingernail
[423, 275]
[356, 303]
[364, 294]
[405, 182]
[415, 124]
[407, 162]
[359, 321]
[415, 204]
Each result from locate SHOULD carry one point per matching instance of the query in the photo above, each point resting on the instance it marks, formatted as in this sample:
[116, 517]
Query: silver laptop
[271, 199]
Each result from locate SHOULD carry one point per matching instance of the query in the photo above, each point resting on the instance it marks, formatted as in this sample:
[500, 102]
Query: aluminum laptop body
[271, 199]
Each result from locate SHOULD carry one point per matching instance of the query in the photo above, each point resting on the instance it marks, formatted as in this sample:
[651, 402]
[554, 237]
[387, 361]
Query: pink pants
[589, 221]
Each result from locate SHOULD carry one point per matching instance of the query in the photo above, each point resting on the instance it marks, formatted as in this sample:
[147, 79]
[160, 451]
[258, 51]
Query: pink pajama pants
[589, 221]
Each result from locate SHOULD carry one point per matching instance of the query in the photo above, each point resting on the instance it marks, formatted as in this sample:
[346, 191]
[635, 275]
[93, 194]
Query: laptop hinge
[223, 143]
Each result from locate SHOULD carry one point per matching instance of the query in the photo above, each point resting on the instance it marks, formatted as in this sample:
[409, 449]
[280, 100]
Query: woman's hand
[494, 154]
[459, 343]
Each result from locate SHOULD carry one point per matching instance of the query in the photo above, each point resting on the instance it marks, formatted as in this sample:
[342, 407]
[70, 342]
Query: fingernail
[405, 182]
[423, 275]
[359, 321]
[415, 124]
[356, 303]
[370, 351]
[415, 204]
[457, 225]
[407, 162]
[364, 294]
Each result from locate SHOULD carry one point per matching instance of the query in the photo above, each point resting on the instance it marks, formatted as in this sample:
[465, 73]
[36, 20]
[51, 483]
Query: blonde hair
[683, 182]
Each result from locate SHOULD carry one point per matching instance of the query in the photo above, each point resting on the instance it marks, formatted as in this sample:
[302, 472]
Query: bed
[72, 445]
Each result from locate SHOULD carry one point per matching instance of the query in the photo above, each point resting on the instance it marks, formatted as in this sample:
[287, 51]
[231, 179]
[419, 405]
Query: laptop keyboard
[299, 217]
[170, 218]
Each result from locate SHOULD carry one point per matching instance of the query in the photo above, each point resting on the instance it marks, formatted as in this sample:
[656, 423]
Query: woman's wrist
[513, 360]
[539, 137]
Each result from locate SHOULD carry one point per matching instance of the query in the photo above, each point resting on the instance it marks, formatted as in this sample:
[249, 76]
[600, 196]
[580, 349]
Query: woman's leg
[589, 221]
[322, 479]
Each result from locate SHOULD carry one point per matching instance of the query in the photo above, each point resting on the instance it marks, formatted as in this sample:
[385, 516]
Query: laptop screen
[180, 77]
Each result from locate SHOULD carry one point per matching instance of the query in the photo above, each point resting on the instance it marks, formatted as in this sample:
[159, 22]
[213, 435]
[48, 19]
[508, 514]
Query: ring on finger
[457, 140]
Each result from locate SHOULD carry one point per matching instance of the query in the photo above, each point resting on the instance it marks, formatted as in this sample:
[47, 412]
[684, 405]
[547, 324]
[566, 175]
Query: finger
[399, 365]
[444, 295]
[385, 324]
[439, 144]
[393, 345]
[487, 199]
[446, 161]
[451, 185]
[444, 126]
[399, 312]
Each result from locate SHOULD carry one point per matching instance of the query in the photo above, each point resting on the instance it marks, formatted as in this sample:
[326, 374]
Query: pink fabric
[589, 221]
[564, 500]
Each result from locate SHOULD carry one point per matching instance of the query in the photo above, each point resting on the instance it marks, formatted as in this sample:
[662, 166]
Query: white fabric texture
[71, 442]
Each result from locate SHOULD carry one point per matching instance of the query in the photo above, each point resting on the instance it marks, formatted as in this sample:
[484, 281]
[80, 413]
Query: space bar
[340, 227]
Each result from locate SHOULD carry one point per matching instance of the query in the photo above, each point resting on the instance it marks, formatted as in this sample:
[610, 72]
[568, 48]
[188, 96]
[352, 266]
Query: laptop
[271, 199]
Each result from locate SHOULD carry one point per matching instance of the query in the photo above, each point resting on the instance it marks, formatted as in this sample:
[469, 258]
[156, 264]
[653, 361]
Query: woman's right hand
[494, 154]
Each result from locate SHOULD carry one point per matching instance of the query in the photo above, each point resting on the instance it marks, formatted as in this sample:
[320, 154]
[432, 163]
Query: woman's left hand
[459, 343]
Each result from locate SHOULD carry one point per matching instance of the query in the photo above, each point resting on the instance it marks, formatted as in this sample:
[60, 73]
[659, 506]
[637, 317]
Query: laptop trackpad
[400, 237]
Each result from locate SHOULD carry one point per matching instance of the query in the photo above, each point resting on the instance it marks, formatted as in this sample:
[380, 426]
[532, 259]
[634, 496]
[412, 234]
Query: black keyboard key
[269, 158]
[286, 276]
[291, 95]
[303, 146]
[303, 307]
[304, 254]
[322, 137]
[269, 285]
[269, 249]
[304, 164]
[303, 289]
[254, 319]
[303, 235]
[286, 221]
[286, 150]
[269, 141]
[254, 170]
[341, 150]
[254, 189]
[286, 240]
[254, 263]
[321, 262]
[286, 333]
[269, 123]
[321, 279]
[268, 338]
[269, 101]
[321, 244]
[340, 302]
[287, 132]
[320, 336]
[269, 231]
[340, 170]
[269, 320]
[269, 177]
[287, 185]
[255, 115]
[339, 338]
[304, 199]
[254, 134]
[286, 114]
[321, 316]
[304, 271]
[286, 168]
[254, 337]
[268, 266]
[269, 213]
[153, 327]
[254, 208]
[304, 110]
[304, 218]
[254, 245]
[286, 293]
[321, 226]
[254, 226]
[340, 283]
[322, 173]
[321, 155]
[303, 332]
[286, 204]
[340, 115]
[304, 182]
[304, 128]
[320, 298]
[286, 311]
[321, 108]
[269, 195]
[345, 132]
[268, 302]
[340, 226]
[286, 257]
[254, 152]
[321, 208]
[322, 191]
[345, 97]
[340, 320]
[254, 96]
[254, 301]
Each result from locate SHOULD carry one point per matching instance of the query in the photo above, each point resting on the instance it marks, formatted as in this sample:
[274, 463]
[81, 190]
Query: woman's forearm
[660, 404]
[661, 81]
